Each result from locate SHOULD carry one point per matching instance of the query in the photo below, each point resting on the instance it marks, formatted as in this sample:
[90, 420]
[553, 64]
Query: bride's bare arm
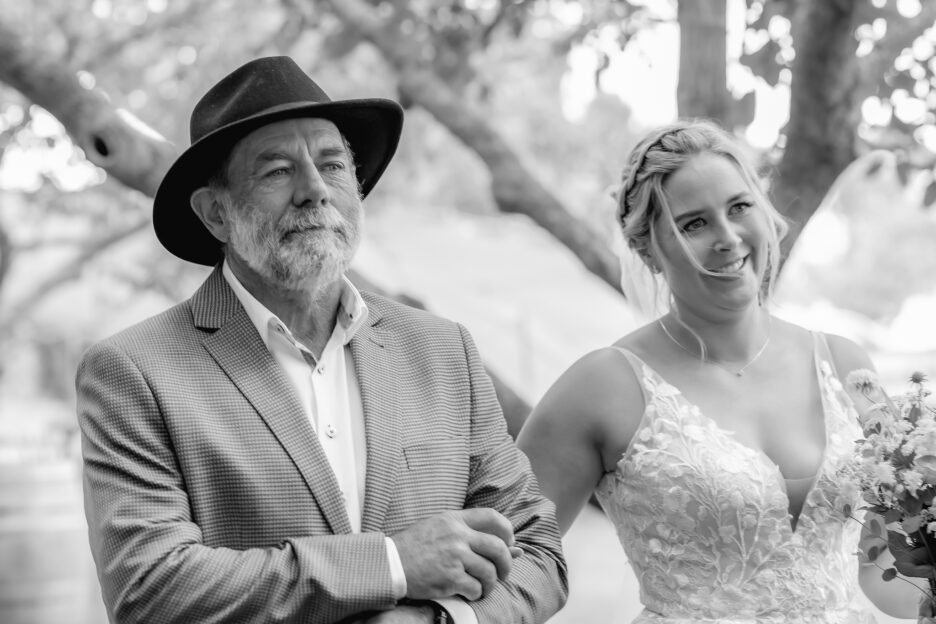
[898, 597]
[579, 429]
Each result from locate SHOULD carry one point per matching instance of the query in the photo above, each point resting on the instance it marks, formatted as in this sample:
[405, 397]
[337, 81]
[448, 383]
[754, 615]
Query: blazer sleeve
[501, 478]
[151, 559]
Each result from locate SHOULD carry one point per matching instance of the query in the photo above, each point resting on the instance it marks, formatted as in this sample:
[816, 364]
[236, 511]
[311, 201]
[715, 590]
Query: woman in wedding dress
[712, 436]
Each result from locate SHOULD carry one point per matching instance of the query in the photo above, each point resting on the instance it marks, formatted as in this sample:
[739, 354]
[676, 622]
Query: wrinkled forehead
[311, 132]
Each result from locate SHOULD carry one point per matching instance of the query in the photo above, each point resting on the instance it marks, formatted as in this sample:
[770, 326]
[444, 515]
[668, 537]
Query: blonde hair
[642, 200]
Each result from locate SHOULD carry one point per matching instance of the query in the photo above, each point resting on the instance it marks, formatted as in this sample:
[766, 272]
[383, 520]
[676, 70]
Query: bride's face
[720, 261]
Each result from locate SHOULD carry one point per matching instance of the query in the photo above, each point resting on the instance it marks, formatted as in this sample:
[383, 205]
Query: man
[280, 447]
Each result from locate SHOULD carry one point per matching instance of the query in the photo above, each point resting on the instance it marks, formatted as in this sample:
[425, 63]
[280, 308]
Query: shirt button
[320, 370]
[330, 431]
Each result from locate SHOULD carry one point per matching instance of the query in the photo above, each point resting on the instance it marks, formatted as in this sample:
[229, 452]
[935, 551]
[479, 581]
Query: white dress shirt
[331, 399]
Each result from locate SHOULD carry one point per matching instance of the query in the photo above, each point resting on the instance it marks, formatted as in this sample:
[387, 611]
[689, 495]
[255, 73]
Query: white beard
[289, 258]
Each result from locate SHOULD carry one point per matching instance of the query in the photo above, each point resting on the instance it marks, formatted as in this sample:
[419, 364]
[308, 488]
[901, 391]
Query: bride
[711, 436]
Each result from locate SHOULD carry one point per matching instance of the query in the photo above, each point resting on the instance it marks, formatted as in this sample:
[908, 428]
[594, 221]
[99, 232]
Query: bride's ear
[646, 256]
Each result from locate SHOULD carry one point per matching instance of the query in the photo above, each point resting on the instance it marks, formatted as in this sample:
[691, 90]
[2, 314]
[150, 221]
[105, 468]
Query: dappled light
[495, 211]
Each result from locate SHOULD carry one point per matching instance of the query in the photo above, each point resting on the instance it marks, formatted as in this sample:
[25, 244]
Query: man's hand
[456, 553]
[404, 614]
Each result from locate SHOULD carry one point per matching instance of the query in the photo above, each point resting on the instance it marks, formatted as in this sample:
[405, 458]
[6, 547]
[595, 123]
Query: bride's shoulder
[847, 355]
[601, 382]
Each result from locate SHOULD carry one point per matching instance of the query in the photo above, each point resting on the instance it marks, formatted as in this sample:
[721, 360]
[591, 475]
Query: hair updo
[642, 201]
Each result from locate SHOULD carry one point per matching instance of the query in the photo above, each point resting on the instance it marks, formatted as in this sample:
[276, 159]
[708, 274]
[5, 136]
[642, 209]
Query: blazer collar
[237, 348]
[376, 362]
[240, 352]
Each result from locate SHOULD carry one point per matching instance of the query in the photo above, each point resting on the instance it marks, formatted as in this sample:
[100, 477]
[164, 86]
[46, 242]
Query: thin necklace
[737, 373]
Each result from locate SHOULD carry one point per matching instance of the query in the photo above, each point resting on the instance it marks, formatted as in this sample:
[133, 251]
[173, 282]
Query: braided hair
[642, 200]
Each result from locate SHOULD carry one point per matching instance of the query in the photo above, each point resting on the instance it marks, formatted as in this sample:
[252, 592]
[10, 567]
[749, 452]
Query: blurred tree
[489, 72]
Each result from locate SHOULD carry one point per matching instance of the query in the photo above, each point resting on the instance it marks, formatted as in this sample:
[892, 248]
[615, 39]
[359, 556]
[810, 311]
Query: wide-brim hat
[260, 92]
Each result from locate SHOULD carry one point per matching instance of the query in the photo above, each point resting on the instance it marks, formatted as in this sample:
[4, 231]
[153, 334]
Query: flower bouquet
[896, 471]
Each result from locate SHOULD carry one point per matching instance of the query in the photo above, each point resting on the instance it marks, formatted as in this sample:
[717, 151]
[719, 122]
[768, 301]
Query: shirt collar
[352, 310]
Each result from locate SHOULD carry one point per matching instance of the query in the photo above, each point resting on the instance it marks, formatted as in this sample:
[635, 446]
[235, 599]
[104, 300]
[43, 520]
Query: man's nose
[311, 190]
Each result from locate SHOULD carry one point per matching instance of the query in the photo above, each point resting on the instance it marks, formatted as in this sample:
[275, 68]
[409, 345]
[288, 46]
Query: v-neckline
[793, 521]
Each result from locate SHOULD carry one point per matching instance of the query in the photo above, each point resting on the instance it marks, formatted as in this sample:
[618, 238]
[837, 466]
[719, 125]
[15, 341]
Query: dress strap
[822, 351]
[639, 369]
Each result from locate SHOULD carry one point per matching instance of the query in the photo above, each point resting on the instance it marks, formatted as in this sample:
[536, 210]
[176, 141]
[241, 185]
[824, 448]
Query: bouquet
[896, 472]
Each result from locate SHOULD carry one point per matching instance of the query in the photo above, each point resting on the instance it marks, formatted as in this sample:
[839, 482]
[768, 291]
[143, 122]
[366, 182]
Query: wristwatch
[440, 614]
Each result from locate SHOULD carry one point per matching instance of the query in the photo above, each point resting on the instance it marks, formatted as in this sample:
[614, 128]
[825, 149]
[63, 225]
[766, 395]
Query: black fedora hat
[260, 92]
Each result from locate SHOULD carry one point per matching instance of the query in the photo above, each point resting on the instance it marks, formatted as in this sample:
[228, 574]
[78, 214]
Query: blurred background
[496, 211]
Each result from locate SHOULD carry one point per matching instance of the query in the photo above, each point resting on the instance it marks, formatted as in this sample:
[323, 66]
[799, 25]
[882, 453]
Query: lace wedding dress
[706, 524]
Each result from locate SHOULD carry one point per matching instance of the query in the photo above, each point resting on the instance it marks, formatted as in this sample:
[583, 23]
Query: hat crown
[254, 88]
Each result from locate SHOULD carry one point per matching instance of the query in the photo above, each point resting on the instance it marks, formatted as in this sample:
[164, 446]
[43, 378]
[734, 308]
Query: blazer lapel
[374, 363]
[240, 352]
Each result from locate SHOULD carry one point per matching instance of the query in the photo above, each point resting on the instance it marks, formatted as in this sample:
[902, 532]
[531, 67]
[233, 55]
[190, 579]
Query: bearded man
[282, 447]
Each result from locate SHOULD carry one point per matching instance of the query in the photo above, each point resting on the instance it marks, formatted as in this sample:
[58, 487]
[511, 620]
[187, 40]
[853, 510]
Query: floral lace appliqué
[704, 520]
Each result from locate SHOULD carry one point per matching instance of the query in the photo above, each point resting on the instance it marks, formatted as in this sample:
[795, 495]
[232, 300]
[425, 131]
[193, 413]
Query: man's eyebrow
[333, 150]
[265, 157]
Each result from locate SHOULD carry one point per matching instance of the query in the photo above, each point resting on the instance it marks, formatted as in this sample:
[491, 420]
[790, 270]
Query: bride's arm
[898, 597]
[574, 433]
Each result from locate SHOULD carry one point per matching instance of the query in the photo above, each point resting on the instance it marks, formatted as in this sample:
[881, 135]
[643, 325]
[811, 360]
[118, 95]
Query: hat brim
[372, 128]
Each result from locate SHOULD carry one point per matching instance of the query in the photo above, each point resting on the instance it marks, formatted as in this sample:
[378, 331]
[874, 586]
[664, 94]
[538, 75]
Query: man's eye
[333, 166]
[279, 171]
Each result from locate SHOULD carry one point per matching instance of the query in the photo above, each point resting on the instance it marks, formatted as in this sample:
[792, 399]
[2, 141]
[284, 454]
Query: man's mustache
[326, 220]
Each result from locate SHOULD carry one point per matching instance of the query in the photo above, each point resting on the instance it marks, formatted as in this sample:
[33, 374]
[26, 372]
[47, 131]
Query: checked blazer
[209, 498]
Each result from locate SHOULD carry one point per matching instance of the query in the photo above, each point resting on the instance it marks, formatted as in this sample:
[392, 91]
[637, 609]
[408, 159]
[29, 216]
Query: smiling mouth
[731, 268]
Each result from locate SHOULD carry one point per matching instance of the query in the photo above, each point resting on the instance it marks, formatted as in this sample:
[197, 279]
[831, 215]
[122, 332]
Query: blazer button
[330, 431]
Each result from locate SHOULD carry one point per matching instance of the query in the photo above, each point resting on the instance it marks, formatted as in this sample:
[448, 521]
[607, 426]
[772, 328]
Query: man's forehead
[301, 130]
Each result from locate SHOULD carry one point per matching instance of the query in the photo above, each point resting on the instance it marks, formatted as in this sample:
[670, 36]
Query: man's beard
[317, 243]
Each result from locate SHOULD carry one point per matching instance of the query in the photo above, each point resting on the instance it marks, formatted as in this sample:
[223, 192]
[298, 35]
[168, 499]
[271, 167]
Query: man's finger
[483, 571]
[489, 521]
[494, 550]
[469, 588]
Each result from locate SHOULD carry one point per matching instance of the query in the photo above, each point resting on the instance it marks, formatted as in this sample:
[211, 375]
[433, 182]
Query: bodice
[705, 520]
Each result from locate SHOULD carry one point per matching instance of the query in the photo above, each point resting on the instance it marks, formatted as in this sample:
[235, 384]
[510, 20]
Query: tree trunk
[703, 56]
[824, 109]
[514, 188]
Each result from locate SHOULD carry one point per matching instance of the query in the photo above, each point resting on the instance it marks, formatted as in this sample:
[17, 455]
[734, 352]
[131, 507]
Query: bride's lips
[730, 269]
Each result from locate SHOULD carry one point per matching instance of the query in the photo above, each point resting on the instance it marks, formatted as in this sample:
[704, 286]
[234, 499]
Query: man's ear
[211, 212]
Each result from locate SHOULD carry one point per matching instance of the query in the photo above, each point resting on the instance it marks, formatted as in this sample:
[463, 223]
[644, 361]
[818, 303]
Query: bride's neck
[726, 340]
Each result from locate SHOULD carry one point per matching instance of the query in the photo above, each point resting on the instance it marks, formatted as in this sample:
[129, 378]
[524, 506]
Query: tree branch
[515, 189]
[106, 137]
[67, 272]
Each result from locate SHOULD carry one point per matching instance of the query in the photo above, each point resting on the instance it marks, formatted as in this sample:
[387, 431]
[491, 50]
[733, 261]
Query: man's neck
[310, 311]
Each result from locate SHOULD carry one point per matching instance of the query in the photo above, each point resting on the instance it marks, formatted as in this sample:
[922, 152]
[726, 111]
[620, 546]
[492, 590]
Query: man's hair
[642, 200]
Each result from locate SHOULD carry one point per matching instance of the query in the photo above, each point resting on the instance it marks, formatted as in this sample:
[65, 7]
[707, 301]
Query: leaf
[912, 507]
[892, 515]
[910, 560]
[912, 524]
[889, 574]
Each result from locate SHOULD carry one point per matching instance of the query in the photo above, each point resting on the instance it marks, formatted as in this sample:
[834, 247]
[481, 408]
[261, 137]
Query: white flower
[913, 480]
[884, 474]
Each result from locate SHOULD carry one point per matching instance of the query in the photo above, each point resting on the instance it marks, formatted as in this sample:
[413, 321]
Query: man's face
[295, 213]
